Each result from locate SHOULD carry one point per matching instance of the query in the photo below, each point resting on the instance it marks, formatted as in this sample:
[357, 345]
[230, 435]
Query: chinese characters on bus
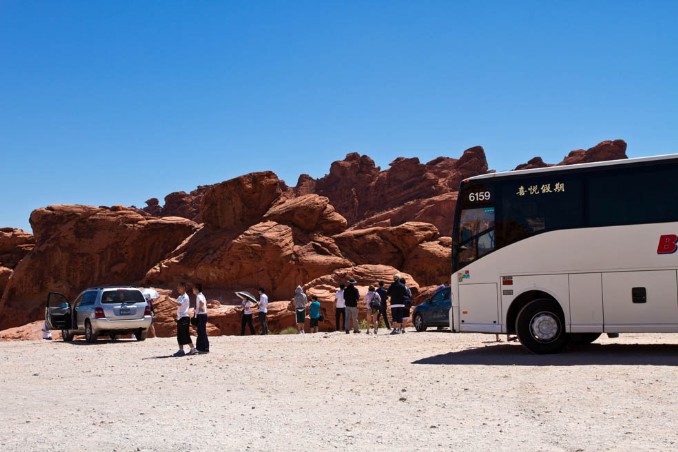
[532, 190]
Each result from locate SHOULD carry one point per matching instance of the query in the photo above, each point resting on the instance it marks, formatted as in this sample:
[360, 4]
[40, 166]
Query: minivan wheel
[66, 336]
[541, 327]
[90, 336]
[419, 324]
[141, 335]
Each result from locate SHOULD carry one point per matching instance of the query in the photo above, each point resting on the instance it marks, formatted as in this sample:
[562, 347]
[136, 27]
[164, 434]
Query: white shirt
[184, 304]
[201, 304]
[341, 303]
[263, 303]
[247, 306]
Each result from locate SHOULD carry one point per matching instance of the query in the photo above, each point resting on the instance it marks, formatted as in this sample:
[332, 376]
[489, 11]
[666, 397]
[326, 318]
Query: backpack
[375, 302]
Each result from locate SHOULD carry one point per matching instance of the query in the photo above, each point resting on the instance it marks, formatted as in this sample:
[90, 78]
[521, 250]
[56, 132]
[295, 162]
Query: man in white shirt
[203, 343]
[340, 310]
[263, 310]
[183, 321]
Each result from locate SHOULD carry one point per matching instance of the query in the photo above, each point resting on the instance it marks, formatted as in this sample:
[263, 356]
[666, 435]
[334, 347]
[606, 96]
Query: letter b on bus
[668, 244]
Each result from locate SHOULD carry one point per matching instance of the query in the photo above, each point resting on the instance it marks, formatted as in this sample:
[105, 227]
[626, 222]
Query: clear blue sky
[114, 102]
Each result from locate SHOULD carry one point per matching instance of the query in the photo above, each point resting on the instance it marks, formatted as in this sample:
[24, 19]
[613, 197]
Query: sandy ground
[417, 391]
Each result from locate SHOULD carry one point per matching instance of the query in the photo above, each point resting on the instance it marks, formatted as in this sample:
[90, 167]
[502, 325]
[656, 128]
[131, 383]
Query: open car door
[58, 312]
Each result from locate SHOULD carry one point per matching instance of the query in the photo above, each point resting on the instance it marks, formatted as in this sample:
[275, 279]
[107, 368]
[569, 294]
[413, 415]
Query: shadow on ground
[591, 355]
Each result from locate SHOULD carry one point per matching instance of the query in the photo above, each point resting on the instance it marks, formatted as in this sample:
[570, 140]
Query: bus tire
[583, 338]
[541, 327]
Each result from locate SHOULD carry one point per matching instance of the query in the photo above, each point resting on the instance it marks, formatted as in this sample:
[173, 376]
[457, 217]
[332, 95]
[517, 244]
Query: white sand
[416, 391]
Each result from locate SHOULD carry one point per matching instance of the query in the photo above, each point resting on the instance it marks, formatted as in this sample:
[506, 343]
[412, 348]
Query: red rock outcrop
[15, 244]
[438, 210]
[429, 263]
[241, 201]
[358, 189]
[309, 213]
[80, 246]
[385, 245]
[603, 151]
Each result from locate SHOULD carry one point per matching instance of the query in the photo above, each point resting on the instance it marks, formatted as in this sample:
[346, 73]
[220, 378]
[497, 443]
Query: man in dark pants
[351, 297]
[203, 343]
[382, 309]
[263, 310]
[246, 317]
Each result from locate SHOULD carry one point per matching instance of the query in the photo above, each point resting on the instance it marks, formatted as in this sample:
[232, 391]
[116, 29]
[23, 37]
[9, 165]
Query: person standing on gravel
[407, 304]
[351, 297]
[384, 306]
[263, 311]
[372, 304]
[203, 343]
[314, 313]
[183, 321]
[247, 316]
[340, 309]
[397, 291]
[300, 301]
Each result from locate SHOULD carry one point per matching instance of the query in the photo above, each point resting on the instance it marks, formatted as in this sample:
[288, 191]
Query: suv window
[89, 298]
[123, 296]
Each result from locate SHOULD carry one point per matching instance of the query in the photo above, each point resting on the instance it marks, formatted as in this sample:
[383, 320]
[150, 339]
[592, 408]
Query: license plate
[124, 311]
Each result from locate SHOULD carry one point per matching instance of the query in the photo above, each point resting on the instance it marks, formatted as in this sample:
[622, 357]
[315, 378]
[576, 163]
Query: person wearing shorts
[397, 291]
[372, 305]
[314, 309]
[300, 302]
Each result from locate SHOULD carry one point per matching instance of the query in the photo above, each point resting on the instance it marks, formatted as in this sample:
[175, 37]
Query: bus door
[640, 301]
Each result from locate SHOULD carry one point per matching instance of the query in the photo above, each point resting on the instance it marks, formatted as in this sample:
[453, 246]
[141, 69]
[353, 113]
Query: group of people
[184, 321]
[376, 304]
[262, 305]
[346, 311]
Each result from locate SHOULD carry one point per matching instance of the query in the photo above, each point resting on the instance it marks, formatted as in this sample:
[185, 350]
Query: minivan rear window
[122, 296]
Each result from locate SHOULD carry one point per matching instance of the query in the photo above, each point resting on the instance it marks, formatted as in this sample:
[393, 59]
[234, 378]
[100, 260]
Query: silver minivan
[99, 311]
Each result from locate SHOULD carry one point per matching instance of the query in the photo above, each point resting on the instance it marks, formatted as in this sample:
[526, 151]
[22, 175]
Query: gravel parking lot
[416, 391]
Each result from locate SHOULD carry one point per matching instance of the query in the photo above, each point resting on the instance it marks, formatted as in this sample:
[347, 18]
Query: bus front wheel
[541, 327]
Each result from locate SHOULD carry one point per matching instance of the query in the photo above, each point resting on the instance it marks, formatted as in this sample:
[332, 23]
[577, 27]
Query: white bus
[566, 253]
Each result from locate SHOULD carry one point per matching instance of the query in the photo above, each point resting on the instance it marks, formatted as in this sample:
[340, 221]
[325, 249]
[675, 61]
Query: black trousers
[262, 321]
[382, 311]
[202, 344]
[340, 313]
[246, 320]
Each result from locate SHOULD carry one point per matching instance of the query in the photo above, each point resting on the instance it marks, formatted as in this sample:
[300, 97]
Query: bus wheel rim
[544, 327]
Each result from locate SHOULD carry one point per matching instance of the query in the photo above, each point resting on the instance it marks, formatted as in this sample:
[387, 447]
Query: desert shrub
[288, 330]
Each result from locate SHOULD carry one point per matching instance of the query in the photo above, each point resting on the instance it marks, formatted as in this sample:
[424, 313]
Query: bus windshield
[476, 234]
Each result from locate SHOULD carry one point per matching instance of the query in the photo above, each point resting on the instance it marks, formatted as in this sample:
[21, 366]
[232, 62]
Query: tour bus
[566, 253]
